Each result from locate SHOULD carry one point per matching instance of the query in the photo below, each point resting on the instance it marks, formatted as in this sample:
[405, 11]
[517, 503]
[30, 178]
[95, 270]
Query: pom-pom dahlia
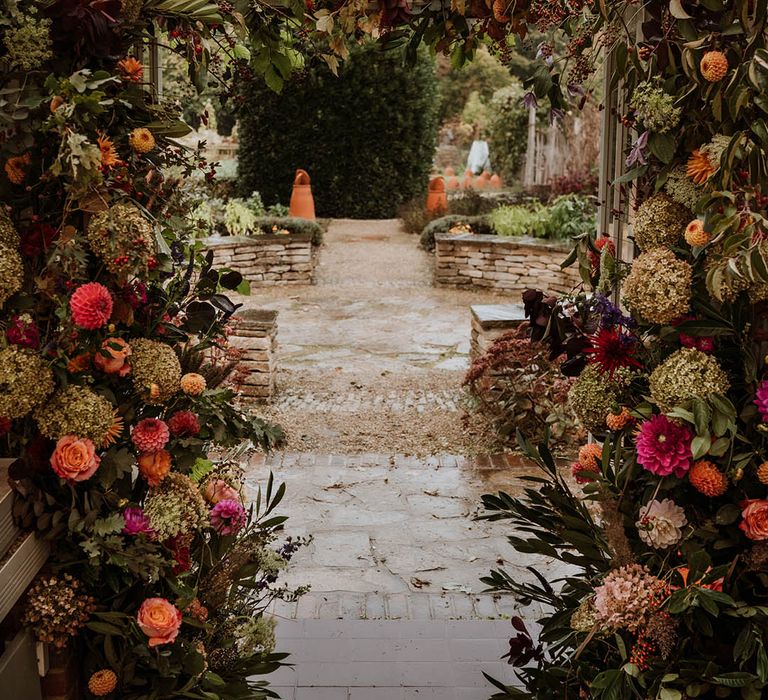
[695, 235]
[591, 456]
[150, 435]
[193, 384]
[664, 447]
[183, 424]
[660, 523]
[618, 421]
[762, 473]
[102, 682]
[706, 478]
[141, 140]
[714, 66]
[228, 517]
[577, 471]
[91, 306]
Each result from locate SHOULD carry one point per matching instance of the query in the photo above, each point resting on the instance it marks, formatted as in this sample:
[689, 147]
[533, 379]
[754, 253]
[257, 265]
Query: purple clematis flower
[637, 154]
[530, 101]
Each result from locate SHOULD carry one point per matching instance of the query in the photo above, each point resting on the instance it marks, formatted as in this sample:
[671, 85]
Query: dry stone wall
[267, 260]
[502, 263]
[254, 333]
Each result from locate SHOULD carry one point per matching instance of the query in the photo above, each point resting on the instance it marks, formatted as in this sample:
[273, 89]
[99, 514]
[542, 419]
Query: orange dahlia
[706, 478]
[714, 66]
[131, 69]
[102, 682]
[762, 473]
[16, 168]
[114, 432]
[618, 421]
[141, 140]
[193, 384]
[699, 167]
[109, 157]
[591, 455]
[695, 235]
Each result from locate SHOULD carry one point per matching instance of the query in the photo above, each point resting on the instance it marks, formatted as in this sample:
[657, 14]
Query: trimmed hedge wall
[366, 137]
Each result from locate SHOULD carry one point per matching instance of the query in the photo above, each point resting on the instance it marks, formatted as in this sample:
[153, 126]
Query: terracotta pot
[495, 182]
[449, 171]
[452, 183]
[302, 203]
[437, 199]
[468, 181]
[480, 182]
[486, 176]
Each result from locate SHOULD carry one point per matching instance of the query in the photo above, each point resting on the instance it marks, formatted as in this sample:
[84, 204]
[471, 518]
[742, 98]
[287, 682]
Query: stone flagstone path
[372, 361]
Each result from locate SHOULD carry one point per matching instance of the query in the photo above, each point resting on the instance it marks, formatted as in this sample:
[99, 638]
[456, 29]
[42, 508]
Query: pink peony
[150, 435]
[184, 423]
[159, 620]
[664, 447]
[761, 399]
[228, 517]
[75, 458]
[91, 306]
[136, 522]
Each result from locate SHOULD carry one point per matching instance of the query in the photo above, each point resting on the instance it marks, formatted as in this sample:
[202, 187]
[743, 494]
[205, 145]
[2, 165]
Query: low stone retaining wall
[267, 260]
[254, 333]
[503, 263]
[489, 321]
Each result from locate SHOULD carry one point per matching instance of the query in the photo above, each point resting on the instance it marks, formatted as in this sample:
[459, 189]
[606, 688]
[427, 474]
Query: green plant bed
[294, 225]
[476, 224]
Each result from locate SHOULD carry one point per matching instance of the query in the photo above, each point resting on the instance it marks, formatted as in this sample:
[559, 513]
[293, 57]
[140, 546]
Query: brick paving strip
[396, 604]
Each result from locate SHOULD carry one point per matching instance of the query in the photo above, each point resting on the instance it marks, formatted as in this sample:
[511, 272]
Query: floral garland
[664, 542]
[113, 356]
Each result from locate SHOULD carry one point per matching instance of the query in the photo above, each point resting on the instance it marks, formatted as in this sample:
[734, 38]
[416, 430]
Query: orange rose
[75, 458]
[219, 490]
[154, 466]
[113, 357]
[755, 518]
[159, 620]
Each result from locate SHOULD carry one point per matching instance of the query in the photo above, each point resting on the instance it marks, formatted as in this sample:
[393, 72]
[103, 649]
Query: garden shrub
[519, 220]
[366, 137]
[507, 131]
[478, 224]
[566, 216]
[520, 387]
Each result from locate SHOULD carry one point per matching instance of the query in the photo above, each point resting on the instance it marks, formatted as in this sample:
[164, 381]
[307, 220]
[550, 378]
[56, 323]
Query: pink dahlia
[184, 423]
[150, 435]
[761, 399]
[577, 468]
[136, 522]
[91, 306]
[228, 517]
[664, 447]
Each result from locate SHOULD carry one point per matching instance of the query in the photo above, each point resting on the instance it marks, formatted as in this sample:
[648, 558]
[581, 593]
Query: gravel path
[372, 356]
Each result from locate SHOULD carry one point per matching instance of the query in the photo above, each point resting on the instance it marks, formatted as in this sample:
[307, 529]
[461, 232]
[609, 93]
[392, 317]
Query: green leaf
[737, 679]
[663, 146]
[728, 514]
[700, 446]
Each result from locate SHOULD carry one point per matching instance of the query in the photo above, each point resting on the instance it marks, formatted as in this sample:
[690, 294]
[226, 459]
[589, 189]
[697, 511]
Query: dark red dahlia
[184, 424]
[612, 349]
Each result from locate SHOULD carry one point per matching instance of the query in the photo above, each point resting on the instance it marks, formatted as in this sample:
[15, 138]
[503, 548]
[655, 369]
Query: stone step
[391, 660]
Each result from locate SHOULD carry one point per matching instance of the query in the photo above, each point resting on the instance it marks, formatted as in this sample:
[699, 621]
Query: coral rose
[75, 458]
[113, 357]
[219, 490]
[159, 620]
[754, 515]
[154, 466]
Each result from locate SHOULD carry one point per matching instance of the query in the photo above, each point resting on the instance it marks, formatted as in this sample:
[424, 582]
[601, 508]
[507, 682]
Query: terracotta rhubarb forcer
[302, 203]
[437, 199]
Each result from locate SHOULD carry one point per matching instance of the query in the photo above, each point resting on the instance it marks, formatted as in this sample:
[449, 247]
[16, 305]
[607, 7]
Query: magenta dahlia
[228, 517]
[664, 447]
[761, 399]
[91, 306]
[136, 522]
[184, 423]
[150, 435]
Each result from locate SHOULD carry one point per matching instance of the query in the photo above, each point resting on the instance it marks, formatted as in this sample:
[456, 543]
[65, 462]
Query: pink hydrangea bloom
[664, 447]
[761, 399]
[228, 517]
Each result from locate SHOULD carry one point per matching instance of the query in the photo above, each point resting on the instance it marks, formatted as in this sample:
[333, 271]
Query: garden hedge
[292, 224]
[479, 225]
[366, 137]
